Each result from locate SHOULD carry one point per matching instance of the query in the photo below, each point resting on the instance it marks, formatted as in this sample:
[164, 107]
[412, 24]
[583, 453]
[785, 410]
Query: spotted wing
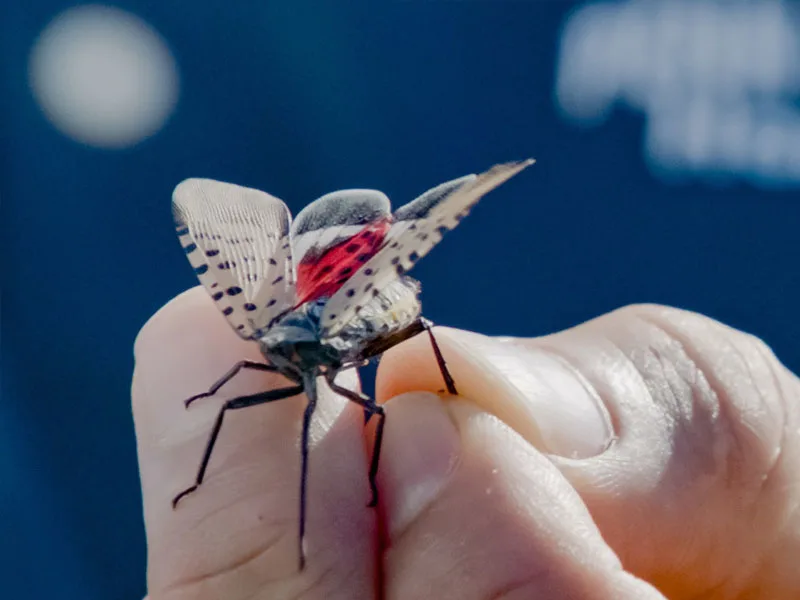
[417, 228]
[238, 241]
[333, 236]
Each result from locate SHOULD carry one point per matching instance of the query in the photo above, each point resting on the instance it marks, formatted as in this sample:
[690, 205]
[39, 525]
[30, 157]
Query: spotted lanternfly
[346, 302]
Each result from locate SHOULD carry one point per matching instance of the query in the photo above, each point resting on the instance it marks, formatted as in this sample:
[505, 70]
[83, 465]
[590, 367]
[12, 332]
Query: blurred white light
[103, 76]
[718, 81]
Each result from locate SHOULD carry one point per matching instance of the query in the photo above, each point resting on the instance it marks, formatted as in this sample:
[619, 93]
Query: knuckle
[726, 388]
[717, 418]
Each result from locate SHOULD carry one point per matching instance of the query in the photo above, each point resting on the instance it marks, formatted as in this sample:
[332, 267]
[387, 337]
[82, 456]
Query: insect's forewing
[418, 227]
[237, 240]
[333, 236]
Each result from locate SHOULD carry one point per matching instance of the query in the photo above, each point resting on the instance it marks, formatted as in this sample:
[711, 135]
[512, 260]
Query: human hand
[649, 446]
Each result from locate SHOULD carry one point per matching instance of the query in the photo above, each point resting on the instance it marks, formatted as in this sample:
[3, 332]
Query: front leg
[242, 364]
[382, 344]
[235, 403]
[449, 382]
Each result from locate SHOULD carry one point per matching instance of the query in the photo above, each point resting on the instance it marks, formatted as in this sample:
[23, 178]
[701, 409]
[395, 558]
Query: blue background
[299, 100]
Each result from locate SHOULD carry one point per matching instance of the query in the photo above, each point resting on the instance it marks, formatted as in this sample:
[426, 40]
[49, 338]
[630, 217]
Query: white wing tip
[506, 170]
[500, 173]
[519, 165]
[191, 185]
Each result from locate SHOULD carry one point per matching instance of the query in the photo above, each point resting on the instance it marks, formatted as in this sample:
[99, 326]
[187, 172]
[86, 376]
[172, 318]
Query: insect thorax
[296, 343]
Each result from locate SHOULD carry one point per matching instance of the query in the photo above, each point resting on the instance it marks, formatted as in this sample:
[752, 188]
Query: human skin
[650, 453]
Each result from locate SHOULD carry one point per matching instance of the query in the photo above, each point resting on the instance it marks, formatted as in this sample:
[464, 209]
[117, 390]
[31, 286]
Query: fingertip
[537, 393]
[501, 498]
[179, 352]
[185, 305]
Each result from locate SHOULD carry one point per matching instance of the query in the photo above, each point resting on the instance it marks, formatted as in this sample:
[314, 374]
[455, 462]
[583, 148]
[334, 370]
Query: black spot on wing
[227, 311]
[190, 248]
[218, 296]
[233, 290]
[322, 272]
[201, 269]
[212, 252]
[250, 307]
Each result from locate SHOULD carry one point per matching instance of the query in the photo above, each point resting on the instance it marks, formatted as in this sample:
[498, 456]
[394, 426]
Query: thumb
[680, 435]
[474, 511]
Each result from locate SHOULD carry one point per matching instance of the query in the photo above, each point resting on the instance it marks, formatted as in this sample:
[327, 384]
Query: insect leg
[371, 408]
[448, 379]
[310, 386]
[235, 403]
[381, 345]
[355, 365]
[242, 364]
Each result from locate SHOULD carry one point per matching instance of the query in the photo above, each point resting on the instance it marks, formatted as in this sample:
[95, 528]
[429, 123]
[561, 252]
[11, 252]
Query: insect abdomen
[395, 307]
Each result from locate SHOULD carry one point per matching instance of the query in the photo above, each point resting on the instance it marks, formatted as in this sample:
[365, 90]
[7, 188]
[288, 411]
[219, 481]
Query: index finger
[236, 536]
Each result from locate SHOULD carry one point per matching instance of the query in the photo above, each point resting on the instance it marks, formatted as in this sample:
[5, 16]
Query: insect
[326, 293]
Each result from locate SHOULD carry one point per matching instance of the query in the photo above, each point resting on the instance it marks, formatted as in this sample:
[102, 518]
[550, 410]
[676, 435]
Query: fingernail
[538, 394]
[421, 450]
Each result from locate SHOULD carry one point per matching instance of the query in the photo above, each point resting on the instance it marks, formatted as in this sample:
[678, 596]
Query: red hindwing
[323, 275]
